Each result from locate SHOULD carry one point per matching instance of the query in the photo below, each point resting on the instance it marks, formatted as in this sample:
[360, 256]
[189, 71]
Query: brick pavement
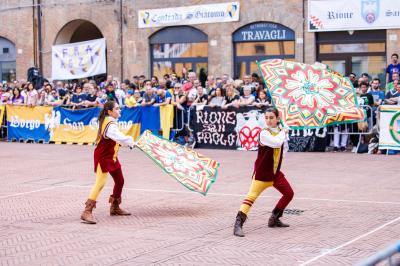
[345, 197]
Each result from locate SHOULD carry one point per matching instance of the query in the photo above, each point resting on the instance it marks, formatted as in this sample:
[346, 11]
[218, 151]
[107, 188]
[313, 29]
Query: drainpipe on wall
[39, 15]
[34, 34]
[121, 39]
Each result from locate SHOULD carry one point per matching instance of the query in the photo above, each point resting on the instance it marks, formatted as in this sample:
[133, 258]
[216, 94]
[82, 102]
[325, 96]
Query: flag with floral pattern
[310, 96]
[190, 168]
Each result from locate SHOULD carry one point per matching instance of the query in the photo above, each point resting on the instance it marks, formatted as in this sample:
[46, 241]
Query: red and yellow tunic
[106, 150]
[269, 158]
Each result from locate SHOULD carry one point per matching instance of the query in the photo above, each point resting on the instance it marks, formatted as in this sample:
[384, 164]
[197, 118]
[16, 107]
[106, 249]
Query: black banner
[308, 140]
[232, 128]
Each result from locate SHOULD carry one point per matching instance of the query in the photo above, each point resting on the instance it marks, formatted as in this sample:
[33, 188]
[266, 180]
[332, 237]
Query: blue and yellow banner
[74, 126]
[29, 123]
[2, 109]
[129, 122]
[62, 125]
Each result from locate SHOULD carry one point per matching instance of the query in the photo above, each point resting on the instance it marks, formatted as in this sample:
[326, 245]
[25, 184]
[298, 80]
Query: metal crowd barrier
[385, 254]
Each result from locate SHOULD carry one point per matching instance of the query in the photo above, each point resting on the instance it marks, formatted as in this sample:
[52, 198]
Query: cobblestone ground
[350, 204]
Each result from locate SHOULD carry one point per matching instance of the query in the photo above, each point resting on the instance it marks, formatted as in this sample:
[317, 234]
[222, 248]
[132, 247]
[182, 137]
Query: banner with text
[238, 128]
[78, 60]
[63, 125]
[337, 15]
[28, 123]
[389, 134]
[189, 15]
[233, 128]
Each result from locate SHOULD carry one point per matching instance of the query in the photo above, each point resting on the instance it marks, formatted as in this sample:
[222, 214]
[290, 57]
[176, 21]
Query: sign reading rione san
[213, 13]
[333, 15]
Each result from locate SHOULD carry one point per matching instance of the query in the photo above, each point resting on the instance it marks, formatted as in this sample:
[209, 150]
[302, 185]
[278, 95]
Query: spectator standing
[137, 96]
[231, 98]
[392, 97]
[163, 97]
[78, 98]
[149, 98]
[31, 95]
[262, 99]
[201, 98]
[17, 98]
[218, 99]
[394, 67]
[110, 92]
[391, 85]
[130, 99]
[247, 98]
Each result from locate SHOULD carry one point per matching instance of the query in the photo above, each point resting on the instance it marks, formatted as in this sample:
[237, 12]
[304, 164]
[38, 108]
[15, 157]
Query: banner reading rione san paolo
[336, 15]
[389, 134]
[186, 15]
[79, 60]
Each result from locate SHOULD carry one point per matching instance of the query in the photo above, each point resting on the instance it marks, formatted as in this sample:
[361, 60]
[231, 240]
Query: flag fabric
[188, 167]
[310, 96]
[389, 124]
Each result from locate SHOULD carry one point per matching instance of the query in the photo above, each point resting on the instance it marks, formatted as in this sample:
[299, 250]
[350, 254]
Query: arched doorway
[175, 48]
[260, 41]
[78, 31]
[8, 57]
[78, 60]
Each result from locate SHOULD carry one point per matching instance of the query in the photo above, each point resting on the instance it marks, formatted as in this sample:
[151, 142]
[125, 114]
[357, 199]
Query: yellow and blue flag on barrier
[156, 118]
[62, 125]
[28, 123]
[74, 126]
[2, 109]
[129, 122]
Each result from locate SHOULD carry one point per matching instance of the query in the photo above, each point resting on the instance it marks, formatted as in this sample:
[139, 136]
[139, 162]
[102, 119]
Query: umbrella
[310, 96]
[188, 167]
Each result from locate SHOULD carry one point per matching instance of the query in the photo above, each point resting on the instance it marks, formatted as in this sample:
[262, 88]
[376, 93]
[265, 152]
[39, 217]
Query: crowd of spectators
[170, 89]
[187, 91]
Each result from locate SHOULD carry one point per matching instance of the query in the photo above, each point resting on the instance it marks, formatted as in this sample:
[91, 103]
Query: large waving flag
[188, 167]
[310, 96]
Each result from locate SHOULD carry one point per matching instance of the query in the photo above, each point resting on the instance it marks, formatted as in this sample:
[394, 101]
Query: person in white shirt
[109, 138]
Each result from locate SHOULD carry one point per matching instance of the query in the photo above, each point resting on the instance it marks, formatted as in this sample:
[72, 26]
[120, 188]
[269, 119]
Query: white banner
[336, 15]
[187, 15]
[79, 60]
[389, 134]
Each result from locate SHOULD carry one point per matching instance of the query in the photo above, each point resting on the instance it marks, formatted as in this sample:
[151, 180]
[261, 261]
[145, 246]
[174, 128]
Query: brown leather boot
[274, 220]
[87, 215]
[115, 209]
[240, 219]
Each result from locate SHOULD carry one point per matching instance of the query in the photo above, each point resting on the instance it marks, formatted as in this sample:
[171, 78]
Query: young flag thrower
[267, 172]
[109, 138]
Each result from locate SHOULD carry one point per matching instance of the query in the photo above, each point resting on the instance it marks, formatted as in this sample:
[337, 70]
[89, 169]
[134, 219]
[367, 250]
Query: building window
[259, 41]
[7, 60]
[176, 48]
[359, 52]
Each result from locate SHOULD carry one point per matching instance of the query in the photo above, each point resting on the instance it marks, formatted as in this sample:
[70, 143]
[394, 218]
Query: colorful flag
[310, 96]
[188, 167]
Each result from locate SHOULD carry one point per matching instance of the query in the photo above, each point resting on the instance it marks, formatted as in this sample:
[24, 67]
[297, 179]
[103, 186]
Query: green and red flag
[188, 167]
[310, 96]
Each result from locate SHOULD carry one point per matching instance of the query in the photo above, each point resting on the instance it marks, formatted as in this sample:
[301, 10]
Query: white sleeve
[113, 132]
[266, 139]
